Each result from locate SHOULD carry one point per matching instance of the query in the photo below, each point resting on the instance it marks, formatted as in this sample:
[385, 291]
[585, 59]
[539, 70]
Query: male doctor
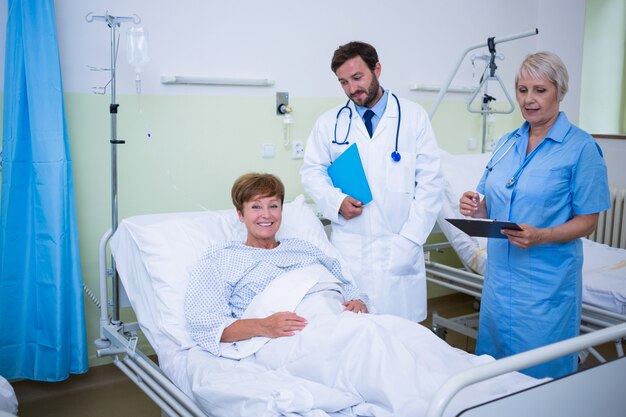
[382, 240]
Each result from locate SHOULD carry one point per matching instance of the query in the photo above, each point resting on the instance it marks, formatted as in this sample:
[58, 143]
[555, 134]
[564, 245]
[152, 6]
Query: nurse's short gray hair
[545, 65]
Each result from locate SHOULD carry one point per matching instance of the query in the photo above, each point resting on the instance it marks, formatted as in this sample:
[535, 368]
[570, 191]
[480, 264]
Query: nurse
[550, 177]
[382, 240]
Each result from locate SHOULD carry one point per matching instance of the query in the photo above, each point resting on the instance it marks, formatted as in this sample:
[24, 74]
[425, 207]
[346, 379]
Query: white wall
[562, 23]
[603, 67]
[292, 42]
[614, 151]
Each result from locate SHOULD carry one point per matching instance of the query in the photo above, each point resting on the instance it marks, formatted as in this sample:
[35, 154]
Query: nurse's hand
[350, 208]
[527, 237]
[356, 306]
[471, 205]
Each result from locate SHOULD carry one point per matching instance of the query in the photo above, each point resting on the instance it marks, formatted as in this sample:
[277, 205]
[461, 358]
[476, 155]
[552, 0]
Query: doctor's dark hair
[253, 185]
[353, 49]
[546, 65]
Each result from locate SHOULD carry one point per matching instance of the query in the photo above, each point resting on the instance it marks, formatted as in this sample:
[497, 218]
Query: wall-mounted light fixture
[246, 82]
[436, 89]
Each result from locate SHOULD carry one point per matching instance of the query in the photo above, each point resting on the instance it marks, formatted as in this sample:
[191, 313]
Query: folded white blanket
[282, 294]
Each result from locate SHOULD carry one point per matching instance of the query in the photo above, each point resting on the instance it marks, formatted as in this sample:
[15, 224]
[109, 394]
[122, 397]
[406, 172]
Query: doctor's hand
[284, 323]
[525, 238]
[350, 208]
[356, 306]
[471, 205]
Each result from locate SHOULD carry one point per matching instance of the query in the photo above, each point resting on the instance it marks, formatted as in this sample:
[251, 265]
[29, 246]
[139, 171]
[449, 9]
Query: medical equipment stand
[485, 108]
[113, 22]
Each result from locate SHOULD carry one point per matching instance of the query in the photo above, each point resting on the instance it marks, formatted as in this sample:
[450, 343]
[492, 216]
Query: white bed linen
[604, 267]
[604, 276]
[397, 365]
[8, 400]
[153, 255]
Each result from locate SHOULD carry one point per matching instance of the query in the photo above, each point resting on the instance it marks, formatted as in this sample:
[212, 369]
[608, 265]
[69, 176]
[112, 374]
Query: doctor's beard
[371, 96]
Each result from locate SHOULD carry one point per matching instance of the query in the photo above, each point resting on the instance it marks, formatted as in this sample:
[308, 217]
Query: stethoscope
[395, 155]
[511, 182]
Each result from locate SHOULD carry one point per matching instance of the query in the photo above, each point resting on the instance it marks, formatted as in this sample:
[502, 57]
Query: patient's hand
[281, 324]
[356, 306]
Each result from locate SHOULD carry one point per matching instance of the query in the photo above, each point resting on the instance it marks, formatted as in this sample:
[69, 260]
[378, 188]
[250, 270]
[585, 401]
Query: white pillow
[169, 246]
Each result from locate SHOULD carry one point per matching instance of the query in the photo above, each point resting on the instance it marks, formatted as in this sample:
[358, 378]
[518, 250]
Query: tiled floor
[104, 391]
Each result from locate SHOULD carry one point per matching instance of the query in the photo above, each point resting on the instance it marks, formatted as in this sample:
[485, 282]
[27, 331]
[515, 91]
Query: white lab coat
[382, 246]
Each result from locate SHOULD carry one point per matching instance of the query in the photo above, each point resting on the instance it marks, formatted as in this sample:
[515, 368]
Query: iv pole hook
[483, 84]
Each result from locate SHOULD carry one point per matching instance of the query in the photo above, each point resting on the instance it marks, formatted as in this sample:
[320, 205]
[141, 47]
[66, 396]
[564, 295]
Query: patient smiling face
[262, 217]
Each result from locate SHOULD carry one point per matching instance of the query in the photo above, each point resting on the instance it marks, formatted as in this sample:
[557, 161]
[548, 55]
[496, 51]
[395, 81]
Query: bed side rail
[147, 375]
[520, 361]
[119, 341]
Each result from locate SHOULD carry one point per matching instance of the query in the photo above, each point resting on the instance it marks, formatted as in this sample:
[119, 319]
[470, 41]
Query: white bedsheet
[604, 268]
[8, 400]
[341, 364]
[604, 276]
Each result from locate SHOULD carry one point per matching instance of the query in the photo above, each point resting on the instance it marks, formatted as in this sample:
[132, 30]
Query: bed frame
[470, 283]
[119, 341]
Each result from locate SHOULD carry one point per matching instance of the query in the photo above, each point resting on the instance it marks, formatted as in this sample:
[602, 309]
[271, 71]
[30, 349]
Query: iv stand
[114, 22]
[492, 42]
[485, 108]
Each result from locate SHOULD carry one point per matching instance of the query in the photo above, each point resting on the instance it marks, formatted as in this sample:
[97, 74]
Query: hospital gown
[533, 297]
[370, 365]
[229, 275]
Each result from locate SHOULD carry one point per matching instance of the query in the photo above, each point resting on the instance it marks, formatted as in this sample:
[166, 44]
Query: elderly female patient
[377, 360]
[231, 274]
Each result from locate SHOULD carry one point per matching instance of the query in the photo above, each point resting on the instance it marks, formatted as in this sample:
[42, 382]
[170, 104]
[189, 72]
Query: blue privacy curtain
[42, 323]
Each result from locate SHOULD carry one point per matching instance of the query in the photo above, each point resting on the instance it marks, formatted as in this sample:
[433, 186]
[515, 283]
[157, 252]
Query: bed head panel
[155, 253]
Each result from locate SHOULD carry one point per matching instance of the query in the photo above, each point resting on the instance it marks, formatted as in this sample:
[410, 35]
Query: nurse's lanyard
[395, 155]
[511, 182]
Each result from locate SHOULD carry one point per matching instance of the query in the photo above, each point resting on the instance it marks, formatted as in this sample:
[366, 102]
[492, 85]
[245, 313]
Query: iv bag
[137, 52]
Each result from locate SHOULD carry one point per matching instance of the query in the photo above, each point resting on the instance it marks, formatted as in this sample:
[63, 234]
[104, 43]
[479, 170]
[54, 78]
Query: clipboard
[347, 174]
[484, 227]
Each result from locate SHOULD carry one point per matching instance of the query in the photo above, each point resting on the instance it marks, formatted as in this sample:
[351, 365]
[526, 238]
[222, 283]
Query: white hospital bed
[604, 267]
[153, 253]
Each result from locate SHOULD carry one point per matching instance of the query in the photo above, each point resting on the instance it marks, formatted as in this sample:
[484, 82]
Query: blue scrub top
[533, 297]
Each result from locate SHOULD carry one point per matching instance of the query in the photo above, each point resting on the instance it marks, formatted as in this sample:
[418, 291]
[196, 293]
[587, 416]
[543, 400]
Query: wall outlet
[268, 150]
[471, 144]
[297, 149]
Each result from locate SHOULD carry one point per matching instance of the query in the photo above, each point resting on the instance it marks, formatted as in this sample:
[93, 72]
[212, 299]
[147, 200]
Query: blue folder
[348, 175]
